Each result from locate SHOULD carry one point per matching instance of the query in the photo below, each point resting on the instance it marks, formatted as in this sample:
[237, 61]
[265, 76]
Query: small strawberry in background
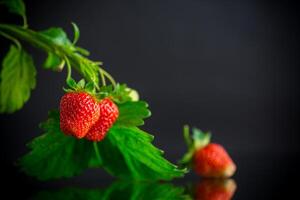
[215, 189]
[209, 160]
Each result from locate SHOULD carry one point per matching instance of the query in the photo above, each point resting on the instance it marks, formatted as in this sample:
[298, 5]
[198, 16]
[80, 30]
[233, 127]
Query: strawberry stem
[109, 77]
[69, 69]
[102, 77]
[25, 24]
[186, 135]
[97, 152]
[12, 39]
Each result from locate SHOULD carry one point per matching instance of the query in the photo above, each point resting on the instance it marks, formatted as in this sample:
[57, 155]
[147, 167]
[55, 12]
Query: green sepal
[200, 138]
[71, 83]
[81, 84]
[90, 87]
[119, 94]
[196, 141]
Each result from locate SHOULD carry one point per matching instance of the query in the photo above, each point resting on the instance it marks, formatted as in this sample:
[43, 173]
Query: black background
[230, 67]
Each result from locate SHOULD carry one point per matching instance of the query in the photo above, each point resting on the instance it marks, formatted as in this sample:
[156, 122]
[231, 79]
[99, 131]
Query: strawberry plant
[98, 122]
[209, 160]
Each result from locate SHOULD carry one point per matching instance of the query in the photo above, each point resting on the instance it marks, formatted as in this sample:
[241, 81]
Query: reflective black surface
[259, 177]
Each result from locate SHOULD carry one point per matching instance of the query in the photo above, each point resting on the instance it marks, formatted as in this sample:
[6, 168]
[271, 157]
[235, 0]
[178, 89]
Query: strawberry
[79, 111]
[213, 161]
[109, 113]
[208, 160]
[215, 189]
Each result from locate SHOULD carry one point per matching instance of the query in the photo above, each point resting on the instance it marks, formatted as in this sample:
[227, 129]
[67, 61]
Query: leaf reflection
[118, 190]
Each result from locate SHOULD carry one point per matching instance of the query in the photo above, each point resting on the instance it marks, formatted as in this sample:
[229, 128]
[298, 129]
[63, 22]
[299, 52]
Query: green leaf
[15, 6]
[118, 190]
[127, 153]
[133, 113]
[58, 37]
[53, 62]
[17, 80]
[55, 155]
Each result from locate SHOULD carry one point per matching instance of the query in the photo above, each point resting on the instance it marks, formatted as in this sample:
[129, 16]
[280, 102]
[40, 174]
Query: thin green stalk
[27, 35]
[25, 24]
[102, 77]
[97, 152]
[40, 41]
[12, 39]
[186, 134]
[109, 77]
[69, 68]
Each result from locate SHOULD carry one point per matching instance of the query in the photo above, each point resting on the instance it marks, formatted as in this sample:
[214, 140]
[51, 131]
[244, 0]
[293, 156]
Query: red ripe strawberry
[213, 161]
[215, 189]
[79, 111]
[109, 113]
[209, 160]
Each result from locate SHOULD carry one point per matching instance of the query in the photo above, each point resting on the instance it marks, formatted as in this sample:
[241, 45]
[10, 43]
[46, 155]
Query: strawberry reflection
[215, 189]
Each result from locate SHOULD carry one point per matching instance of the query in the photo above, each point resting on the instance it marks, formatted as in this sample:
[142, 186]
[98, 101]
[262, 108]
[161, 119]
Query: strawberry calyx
[80, 86]
[196, 141]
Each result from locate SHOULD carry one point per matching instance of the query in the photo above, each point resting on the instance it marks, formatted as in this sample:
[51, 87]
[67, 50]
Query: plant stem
[27, 35]
[97, 152]
[41, 41]
[12, 39]
[186, 134]
[69, 68]
[102, 77]
[25, 25]
[110, 78]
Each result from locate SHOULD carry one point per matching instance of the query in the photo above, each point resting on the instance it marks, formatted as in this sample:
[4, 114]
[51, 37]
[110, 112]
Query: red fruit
[79, 111]
[213, 161]
[213, 189]
[109, 113]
